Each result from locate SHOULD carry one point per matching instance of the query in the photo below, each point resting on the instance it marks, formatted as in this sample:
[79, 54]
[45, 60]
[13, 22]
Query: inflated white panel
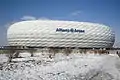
[44, 33]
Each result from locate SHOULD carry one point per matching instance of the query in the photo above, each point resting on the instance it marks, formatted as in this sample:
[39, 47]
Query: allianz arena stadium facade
[53, 33]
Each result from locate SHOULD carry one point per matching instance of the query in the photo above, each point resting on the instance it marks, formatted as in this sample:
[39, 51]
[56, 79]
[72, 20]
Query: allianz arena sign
[70, 30]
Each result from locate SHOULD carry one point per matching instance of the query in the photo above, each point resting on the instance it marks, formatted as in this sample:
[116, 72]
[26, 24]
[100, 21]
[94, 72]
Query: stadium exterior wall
[53, 33]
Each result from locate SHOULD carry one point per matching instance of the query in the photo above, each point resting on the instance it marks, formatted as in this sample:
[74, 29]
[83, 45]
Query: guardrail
[34, 47]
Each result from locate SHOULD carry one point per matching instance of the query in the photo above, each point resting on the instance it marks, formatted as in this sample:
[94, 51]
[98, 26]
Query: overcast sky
[99, 11]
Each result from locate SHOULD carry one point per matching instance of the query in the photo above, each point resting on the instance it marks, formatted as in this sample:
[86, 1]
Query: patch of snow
[37, 54]
[3, 58]
[114, 55]
[21, 59]
[24, 54]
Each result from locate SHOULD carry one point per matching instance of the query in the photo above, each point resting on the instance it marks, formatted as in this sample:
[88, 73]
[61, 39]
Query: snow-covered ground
[3, 58]
[62, 67]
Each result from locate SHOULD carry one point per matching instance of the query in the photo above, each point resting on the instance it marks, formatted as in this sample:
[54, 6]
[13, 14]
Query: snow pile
[62, 67]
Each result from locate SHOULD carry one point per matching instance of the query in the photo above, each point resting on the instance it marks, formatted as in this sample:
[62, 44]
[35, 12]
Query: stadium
[54, 33]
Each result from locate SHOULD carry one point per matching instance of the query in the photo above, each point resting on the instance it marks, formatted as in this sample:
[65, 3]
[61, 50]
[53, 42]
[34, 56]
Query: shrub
[67, 51]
